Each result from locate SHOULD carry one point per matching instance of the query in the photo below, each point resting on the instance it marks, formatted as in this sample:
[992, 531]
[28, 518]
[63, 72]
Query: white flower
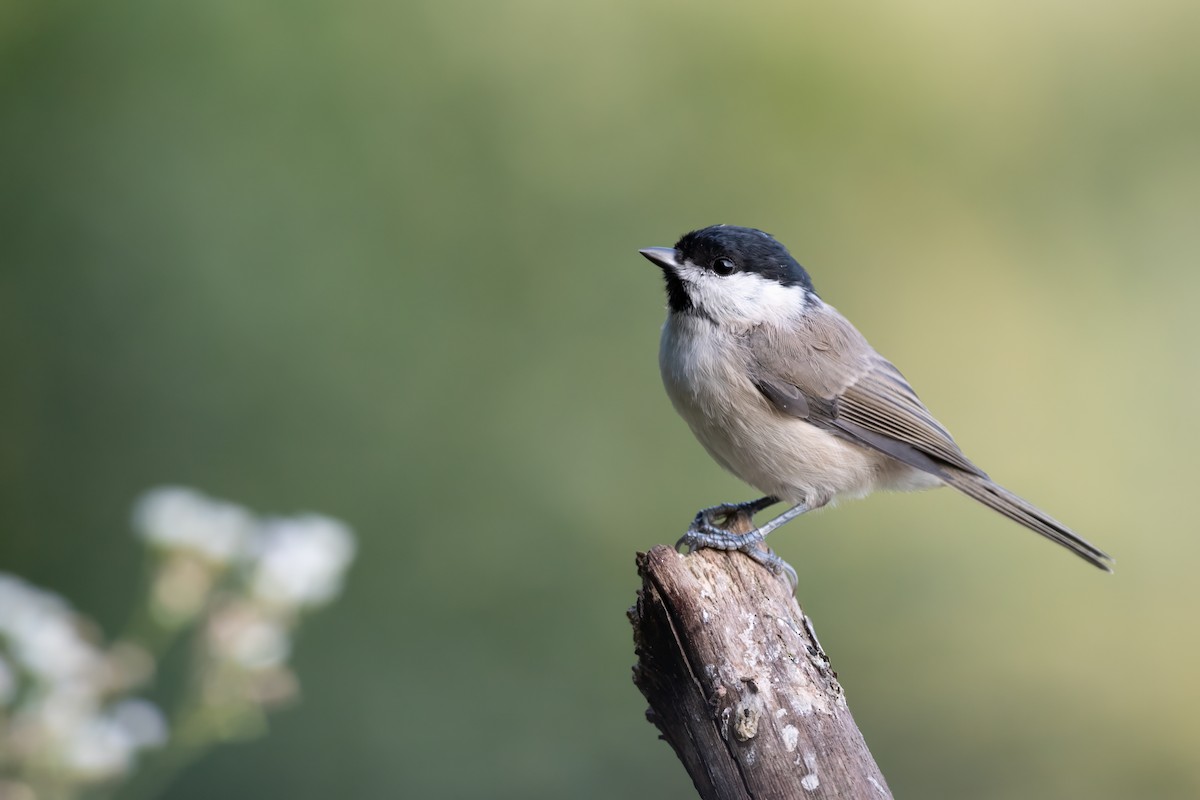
[98, 748]
[300, 560]
[96, 745]
[178, 518]
[42, 632]
[64, 707]
[141, 721]
[55, 651]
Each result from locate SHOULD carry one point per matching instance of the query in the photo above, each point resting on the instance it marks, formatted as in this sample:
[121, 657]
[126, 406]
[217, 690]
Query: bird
[785, 393]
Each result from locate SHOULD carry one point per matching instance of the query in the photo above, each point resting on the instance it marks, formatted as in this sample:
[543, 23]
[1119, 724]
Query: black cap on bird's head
[750, 250]
[725, 250]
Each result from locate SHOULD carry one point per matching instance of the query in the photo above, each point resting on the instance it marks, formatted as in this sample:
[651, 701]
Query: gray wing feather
[877, 404]
[827, 373]
[786, 397]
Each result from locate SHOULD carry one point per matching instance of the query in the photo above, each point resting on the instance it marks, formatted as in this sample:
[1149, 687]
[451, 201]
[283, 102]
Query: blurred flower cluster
[205, 656]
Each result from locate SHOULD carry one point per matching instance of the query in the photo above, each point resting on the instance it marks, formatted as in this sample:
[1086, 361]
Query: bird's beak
[664, 257]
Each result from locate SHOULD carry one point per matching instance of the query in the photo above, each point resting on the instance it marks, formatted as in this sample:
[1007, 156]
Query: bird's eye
[724, 266]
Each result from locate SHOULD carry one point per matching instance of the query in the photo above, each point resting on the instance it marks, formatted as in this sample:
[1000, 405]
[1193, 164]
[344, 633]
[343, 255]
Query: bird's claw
[704, 532]
[774, 563]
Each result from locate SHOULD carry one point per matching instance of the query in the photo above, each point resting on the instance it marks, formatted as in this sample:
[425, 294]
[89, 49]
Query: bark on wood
[739, 686]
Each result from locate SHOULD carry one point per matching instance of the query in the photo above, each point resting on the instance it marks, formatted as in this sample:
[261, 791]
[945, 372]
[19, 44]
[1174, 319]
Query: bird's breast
[704, 370]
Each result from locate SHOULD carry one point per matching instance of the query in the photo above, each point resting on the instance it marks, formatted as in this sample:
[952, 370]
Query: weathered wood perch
[739, 686]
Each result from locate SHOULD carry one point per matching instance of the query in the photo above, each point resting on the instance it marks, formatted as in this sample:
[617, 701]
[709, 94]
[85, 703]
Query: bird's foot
[711, 528]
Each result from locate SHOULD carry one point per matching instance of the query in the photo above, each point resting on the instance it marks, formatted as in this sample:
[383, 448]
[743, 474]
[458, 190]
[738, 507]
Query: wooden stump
[738, 684]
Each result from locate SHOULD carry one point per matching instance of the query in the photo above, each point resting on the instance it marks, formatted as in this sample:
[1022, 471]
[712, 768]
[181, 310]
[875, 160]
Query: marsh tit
[786, 394]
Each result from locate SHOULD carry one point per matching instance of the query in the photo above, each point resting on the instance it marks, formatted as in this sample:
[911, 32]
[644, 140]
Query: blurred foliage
[380, 260]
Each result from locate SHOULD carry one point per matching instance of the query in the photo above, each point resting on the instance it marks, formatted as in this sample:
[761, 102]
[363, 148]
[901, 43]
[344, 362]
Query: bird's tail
[1015, 508]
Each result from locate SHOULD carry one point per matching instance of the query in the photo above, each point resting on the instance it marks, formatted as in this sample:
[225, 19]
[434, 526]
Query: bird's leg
[704, 532]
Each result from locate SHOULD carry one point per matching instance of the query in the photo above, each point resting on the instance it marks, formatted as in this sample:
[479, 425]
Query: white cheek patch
[743, 299]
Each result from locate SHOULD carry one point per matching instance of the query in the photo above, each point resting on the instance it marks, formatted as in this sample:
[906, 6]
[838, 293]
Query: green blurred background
[379, 260]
